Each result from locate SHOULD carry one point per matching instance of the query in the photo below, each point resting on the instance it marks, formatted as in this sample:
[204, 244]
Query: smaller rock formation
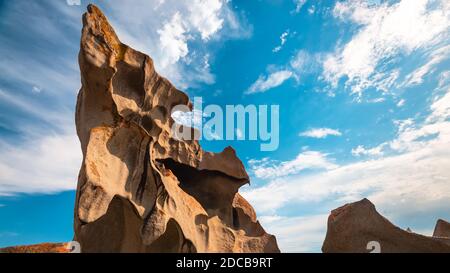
[356, 226]
[442, 229]
[38, 248]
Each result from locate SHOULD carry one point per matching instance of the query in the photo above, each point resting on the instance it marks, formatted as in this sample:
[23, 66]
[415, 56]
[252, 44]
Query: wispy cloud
[307, 160]
[283, 39]
[298, 5]
[273, 80]
[8, 234]
[386, 31]
[401, 102]
[300, 64]
[320, 133]
[46, 164]
[435, 57]
[40, 74]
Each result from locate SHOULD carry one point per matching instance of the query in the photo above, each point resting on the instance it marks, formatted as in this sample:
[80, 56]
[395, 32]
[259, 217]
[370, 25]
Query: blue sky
[363, 89]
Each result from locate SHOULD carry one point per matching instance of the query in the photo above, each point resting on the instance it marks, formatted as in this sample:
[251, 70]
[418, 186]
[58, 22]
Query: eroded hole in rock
[214, 190]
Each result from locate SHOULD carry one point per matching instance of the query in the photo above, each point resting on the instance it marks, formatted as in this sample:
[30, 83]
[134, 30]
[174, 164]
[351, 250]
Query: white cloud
[298, 5]
[73, 2]
[444, 79]
[274, 79]
[387, 31]
[206, 17]
[283, 39]
[377, 100]
[397, 183]
[62, 118]
[299, 65]
[171, 32]
[401, 102]
[201, 16]
[436, 57]
[441, 107]
[173, 39]
[307, 160]
[36, 89]
[303, 62]
[360, 150]
[43, 165]
[321, 133]
[46, 157]
[297, 234]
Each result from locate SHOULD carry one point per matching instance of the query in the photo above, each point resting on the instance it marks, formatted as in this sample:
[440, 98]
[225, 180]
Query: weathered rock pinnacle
[140, 189]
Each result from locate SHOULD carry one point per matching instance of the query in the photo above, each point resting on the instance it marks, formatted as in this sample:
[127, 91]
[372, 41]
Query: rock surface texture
[352, 226]
[139, 188]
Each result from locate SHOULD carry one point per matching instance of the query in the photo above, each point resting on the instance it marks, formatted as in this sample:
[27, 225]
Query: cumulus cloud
[173, 40]
[320, 133]
[264, 83]
[386, 31]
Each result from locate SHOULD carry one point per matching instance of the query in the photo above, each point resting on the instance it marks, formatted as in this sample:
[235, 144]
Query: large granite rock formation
[139, 188]
[354, 227]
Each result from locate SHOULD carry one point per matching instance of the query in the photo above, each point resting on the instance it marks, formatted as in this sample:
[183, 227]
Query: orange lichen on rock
[38, 248]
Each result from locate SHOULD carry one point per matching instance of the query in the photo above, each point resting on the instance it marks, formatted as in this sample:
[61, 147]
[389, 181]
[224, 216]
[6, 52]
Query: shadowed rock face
[352, 226]
[140, 189]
